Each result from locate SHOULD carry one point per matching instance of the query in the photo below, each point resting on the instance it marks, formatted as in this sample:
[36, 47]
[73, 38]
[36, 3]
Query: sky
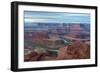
[55, 17]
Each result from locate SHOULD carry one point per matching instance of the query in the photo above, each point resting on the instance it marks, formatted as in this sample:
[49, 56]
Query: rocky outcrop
[76, 50]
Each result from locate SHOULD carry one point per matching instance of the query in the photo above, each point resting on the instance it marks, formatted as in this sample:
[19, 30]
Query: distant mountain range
[46, 26]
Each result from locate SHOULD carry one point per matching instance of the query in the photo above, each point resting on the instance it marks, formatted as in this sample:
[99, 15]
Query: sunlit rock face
[76, 50]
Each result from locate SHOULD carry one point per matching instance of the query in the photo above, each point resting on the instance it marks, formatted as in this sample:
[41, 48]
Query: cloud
[56, 17]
